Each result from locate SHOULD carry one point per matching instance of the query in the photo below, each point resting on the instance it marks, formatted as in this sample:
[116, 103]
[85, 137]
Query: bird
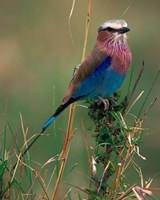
[103, 71]
[101, 74]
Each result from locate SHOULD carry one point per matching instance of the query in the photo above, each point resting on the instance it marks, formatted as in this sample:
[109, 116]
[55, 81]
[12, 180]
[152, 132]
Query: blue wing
[104, 81]
[91, 83]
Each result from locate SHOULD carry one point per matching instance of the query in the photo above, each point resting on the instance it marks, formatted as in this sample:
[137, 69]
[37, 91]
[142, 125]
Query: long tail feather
[55, 115]
[46, 125]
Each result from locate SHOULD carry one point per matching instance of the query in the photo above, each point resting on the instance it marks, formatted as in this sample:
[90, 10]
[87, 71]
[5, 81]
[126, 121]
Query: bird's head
[114, 31]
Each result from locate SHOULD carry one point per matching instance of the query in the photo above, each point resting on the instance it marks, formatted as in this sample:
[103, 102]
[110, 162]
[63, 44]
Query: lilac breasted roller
[104, 69]
[101, 73]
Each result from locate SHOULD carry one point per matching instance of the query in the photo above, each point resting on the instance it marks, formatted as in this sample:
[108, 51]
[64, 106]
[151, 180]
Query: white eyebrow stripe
[115, 24]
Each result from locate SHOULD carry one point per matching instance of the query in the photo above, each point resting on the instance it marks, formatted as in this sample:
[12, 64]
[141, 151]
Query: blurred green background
[37, 55]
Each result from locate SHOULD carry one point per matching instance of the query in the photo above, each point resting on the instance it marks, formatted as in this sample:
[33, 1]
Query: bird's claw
[105, 102]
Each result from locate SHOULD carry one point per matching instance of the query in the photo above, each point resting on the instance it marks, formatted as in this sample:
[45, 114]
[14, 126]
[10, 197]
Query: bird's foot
[105, 102]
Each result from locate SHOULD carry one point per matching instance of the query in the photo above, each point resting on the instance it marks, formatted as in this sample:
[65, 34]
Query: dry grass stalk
[66, 147]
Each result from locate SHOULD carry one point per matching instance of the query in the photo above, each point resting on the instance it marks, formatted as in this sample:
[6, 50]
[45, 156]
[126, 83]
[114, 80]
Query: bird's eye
[109, 29]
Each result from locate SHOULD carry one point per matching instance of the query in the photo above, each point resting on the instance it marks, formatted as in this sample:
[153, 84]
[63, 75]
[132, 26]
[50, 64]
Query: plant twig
[103, 175]
[117, 180]
[139, 96]
[89, 159]
[149, 92]
[72, 111]
[147, 111]
[69, 22]
[134, 88]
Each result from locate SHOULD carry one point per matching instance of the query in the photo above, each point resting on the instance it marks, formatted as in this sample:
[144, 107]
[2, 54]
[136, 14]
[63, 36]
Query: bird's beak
[123, 30]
